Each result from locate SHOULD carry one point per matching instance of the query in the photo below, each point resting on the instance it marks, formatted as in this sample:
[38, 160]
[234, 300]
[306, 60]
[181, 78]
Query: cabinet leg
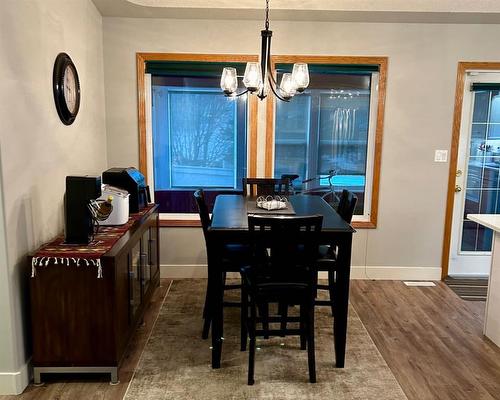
[36, 377]
[114, 376]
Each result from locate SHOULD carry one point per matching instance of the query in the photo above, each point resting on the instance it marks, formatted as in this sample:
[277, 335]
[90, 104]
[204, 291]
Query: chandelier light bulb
[253, 76]
[300, 75]
[287, 87]
[229, 80]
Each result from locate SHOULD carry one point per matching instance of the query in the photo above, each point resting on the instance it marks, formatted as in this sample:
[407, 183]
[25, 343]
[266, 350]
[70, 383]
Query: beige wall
[37, 150]
[420, 91]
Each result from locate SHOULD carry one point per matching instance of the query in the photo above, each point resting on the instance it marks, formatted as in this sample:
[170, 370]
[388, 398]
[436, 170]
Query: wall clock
[66, 87]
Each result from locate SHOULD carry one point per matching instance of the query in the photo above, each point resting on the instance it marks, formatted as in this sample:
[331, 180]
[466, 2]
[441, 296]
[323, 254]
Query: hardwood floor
[431, 339]
[76, 387]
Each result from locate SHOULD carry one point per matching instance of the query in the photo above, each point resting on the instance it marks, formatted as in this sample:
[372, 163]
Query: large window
[330, 130]
[199, 136]
[191, 136]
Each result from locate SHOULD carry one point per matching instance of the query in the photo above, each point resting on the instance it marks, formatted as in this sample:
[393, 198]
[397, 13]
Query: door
[477, 176]
[153, 248]
[135, 280]
[145, 262]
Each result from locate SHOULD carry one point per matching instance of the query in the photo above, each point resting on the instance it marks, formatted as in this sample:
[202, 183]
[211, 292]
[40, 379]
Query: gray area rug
[176, 361]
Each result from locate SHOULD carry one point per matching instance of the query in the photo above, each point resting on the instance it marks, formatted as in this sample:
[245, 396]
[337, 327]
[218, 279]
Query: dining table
[230, 226]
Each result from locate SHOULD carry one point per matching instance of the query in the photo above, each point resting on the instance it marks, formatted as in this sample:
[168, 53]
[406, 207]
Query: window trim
[141, 59]
[379, 127]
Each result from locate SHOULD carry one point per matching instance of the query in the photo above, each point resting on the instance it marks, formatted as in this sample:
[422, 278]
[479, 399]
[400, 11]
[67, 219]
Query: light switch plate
[441, 155]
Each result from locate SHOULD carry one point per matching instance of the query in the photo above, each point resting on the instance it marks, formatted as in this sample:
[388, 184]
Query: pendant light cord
[267, 15]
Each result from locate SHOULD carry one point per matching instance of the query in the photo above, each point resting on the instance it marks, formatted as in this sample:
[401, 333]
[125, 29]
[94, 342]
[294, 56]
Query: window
[199, 136]
[331, 129]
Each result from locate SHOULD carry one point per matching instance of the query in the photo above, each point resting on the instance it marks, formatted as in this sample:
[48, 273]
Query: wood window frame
[463, 67]
[141, 59]
[382, 63]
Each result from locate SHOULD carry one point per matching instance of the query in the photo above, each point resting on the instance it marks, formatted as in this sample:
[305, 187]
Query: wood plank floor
[431, 339]
[79, 387]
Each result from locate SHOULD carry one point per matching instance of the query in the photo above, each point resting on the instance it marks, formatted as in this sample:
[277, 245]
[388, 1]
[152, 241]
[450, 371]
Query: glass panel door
[482, 184]
[477, 183]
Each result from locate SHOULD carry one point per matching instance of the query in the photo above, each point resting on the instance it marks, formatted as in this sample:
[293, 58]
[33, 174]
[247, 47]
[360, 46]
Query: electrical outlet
[441, 155]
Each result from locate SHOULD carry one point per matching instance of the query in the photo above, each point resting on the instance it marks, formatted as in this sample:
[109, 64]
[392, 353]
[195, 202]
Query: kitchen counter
[492, 314]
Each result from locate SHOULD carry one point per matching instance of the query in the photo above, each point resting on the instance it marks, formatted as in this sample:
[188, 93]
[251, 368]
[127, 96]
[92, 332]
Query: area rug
[175, 363]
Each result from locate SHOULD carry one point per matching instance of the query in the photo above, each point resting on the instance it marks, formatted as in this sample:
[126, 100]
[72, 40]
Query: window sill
[180, 220]
[363, 225]
[179, 223]
[193, 221]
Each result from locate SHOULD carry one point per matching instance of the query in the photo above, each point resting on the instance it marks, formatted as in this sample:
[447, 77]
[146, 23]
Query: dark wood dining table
[230, 226]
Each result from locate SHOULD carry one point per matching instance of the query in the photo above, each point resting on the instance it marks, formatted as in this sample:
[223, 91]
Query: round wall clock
[66, 88]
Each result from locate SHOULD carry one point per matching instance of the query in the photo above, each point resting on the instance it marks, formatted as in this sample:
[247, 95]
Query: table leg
[341, 298]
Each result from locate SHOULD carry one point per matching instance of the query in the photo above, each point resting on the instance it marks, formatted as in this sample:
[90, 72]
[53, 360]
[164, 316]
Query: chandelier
[258, 78]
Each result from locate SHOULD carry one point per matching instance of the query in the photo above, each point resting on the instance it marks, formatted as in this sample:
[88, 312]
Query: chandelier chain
[267, 14]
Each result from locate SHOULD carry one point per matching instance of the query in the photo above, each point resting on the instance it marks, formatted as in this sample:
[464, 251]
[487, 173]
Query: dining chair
[347, 204]
[328, 254]
[282, 271]
[234, 256]
[266, 186]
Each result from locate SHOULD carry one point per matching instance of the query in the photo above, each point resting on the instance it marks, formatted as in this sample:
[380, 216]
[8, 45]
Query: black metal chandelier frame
[265, 64]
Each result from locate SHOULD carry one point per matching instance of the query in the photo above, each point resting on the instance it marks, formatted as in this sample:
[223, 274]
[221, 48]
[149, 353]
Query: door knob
[458, 189]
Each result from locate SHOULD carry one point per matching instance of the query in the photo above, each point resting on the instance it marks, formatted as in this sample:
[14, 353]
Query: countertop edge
[491, 221]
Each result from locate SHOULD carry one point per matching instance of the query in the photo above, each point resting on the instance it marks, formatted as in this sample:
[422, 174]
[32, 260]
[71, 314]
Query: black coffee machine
[78, 220]
[131, 180]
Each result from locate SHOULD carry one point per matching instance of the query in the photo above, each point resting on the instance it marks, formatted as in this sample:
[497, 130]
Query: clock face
[70, 88]
[66, 88]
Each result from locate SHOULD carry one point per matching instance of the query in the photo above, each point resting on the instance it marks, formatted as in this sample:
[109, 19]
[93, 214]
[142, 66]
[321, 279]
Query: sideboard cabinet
[81, 323]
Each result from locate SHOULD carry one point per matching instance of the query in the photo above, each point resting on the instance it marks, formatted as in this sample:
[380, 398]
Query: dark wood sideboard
[83, 324]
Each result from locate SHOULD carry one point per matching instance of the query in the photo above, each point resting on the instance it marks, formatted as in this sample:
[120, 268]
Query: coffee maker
[80, 190]
[131, 180]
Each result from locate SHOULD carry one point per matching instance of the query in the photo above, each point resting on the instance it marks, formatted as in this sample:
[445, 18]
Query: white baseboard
[15, 382]
[357, 272]
[396, 273]
[182, 271]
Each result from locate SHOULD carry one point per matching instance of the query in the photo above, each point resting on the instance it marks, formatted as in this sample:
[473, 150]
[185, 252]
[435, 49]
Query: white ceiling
[338, 5]
[432, 11]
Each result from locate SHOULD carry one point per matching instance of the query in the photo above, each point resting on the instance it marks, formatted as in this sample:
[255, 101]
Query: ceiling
[430, 11]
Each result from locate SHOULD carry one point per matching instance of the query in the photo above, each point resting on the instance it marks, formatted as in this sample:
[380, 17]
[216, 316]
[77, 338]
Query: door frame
[463, 67]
